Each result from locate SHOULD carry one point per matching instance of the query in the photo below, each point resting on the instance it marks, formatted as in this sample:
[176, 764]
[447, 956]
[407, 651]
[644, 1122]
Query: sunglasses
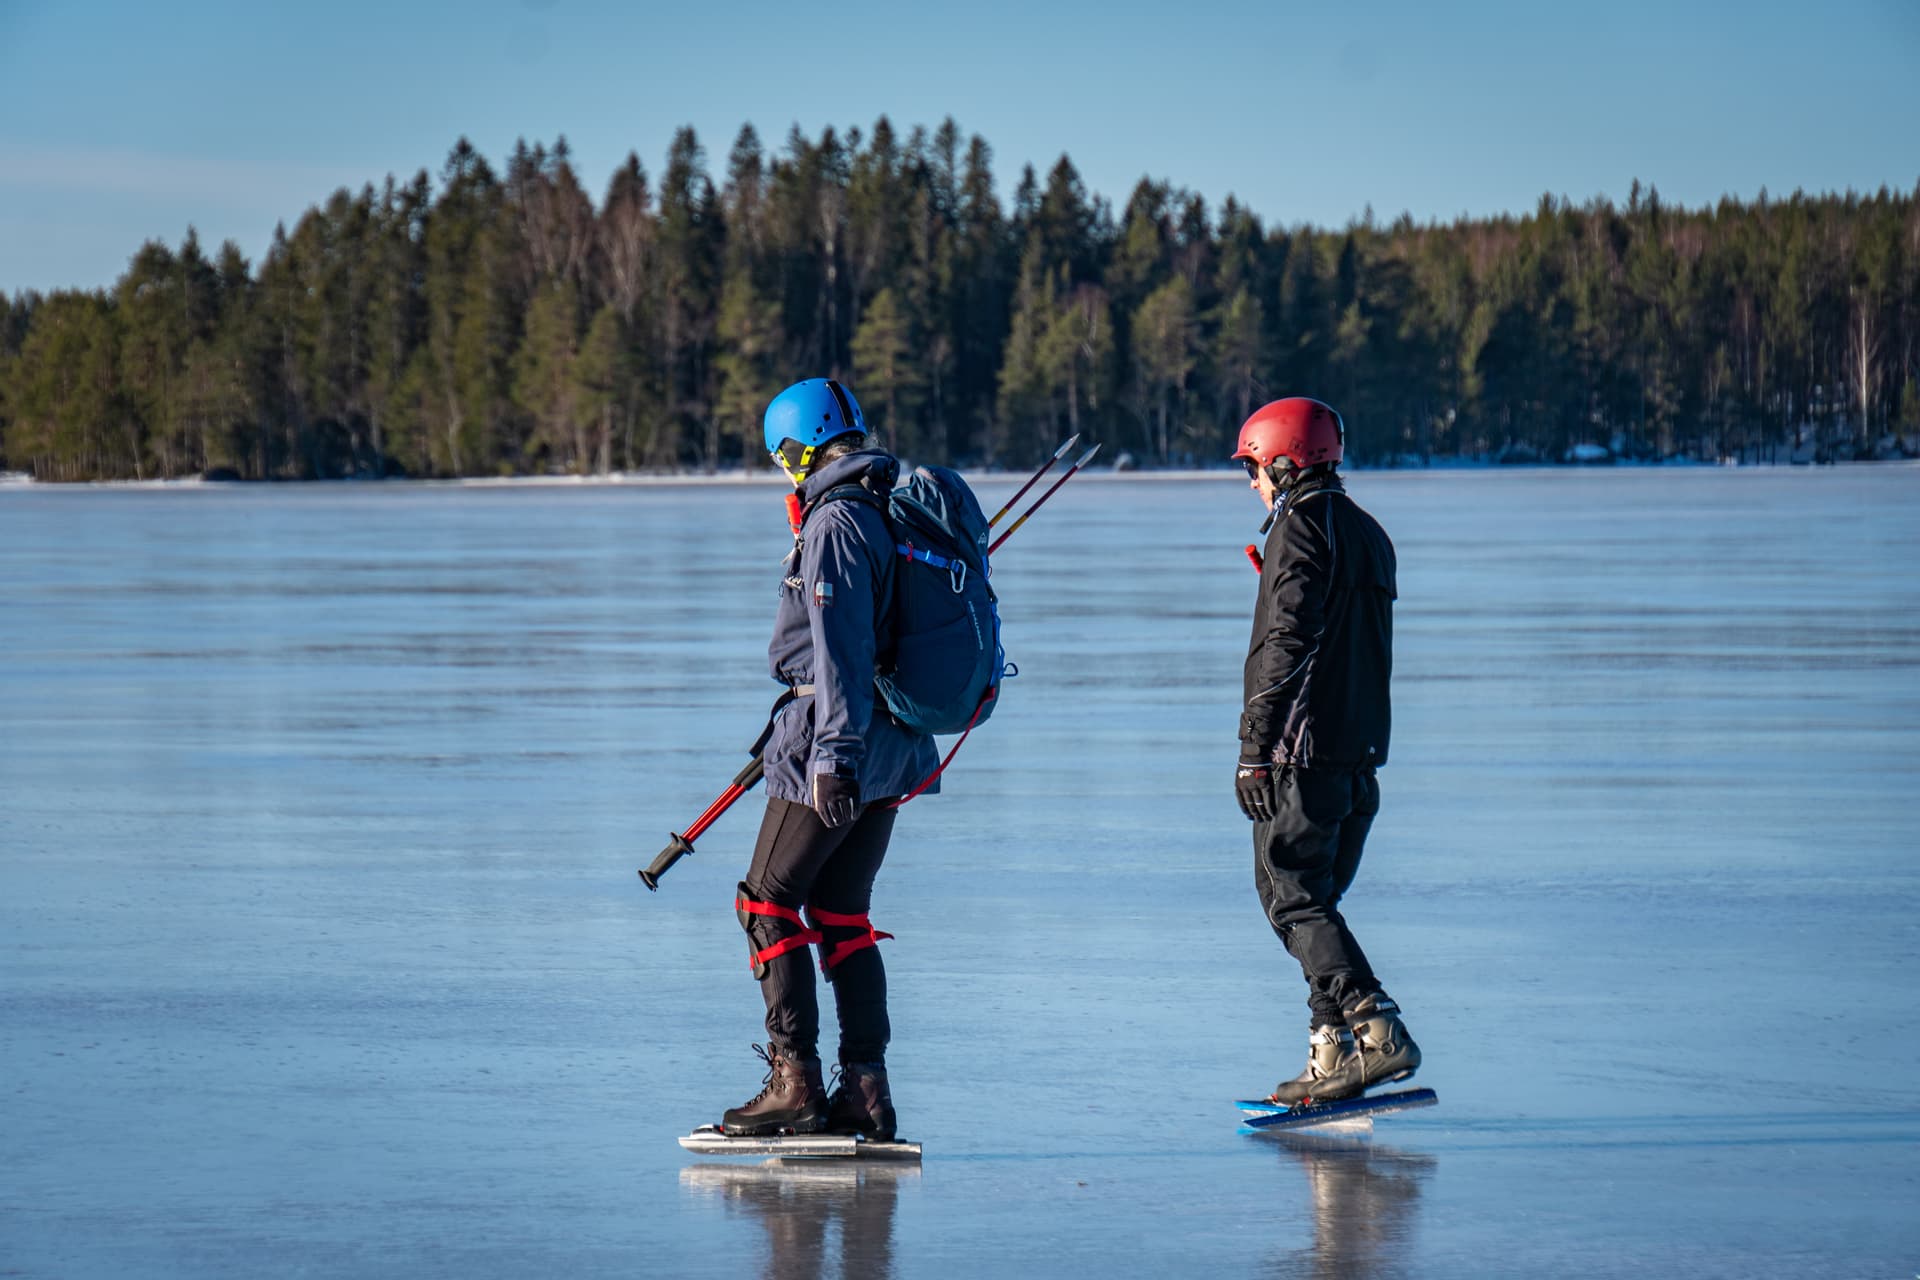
[794, 458]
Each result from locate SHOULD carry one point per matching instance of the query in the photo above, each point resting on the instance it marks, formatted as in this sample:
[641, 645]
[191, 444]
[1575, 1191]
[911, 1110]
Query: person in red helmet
[1313, 731]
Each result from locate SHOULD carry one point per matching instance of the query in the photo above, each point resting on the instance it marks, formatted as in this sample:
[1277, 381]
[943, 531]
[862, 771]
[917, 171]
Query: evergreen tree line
[502, 323]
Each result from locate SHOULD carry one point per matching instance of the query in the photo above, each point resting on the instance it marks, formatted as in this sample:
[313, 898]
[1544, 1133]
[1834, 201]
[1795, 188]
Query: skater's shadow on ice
[822, 1217]
[1365, 1203]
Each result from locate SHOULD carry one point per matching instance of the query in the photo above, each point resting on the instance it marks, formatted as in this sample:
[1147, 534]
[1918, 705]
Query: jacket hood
[875, 468]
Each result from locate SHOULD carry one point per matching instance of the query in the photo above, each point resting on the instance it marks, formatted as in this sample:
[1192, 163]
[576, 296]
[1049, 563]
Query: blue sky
[125, 122]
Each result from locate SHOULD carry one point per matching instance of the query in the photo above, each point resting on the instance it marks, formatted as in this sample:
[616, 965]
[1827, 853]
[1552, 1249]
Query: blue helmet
[812, 413]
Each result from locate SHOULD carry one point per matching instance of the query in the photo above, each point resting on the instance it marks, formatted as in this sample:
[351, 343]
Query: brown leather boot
[793, 1101]
[862, 1102]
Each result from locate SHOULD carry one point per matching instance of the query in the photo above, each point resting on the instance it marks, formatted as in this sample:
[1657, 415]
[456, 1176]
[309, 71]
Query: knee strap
[752, 912]
[867, 937]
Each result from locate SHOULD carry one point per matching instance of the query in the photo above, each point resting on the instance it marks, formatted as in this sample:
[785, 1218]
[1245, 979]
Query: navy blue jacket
[836, 599]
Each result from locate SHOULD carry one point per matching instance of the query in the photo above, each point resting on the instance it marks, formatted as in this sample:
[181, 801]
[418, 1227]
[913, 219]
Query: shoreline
[19, 481]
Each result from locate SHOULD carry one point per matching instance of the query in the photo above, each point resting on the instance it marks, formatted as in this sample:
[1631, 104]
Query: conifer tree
[885, 370]
[690, 237]
[1236, 358]
[545, 380]
[1164, 343]
[749, 345]
[604, 382]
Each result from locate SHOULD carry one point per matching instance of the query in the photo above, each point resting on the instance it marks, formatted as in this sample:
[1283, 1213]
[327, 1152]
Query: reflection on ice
[1365, 1201]
[821, 1217]
[323, 951]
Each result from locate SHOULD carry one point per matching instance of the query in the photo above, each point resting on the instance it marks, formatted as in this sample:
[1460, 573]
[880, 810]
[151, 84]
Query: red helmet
[1304, 431]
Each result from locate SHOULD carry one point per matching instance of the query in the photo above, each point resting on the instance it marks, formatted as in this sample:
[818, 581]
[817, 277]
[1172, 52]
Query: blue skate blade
[1273, 1117]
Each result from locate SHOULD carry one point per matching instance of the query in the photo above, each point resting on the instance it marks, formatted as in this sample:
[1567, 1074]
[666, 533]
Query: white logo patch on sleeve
[822, 594]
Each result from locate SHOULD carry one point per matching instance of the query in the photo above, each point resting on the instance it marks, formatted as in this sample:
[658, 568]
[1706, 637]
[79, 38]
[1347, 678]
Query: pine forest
[501, 321]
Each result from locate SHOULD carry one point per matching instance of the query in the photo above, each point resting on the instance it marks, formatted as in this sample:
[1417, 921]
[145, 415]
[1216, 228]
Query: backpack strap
[956, 569]
[885, 642]
[853, 490]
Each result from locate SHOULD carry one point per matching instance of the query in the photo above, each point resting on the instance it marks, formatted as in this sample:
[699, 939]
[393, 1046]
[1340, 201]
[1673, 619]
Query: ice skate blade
[1271, 1115]
[709, 1140]
[1333, 1126]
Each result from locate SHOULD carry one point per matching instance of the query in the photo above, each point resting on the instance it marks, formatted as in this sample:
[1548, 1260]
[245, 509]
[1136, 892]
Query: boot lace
[771, 1058]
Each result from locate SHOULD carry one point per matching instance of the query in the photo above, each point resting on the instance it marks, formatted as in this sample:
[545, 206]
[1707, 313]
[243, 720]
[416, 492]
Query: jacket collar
[1325, 482]
[1314, 484]
[874, 468]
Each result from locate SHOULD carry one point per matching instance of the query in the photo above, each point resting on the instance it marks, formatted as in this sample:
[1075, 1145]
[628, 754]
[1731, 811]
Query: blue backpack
[944, 671]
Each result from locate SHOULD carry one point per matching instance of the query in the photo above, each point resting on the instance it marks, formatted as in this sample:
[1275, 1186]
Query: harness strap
[791, 942]
[841, 950]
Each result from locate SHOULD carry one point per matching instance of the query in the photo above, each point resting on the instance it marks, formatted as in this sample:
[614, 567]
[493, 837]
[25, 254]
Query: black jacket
[1322, 648]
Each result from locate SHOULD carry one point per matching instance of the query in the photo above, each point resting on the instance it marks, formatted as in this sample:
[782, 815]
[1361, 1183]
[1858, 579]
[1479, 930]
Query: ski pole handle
[676, 849]
[679, 846]
[1253, 554]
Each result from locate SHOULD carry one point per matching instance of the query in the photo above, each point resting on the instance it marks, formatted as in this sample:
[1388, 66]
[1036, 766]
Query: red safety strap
[805, 937]
[991, 694]
[841, 950]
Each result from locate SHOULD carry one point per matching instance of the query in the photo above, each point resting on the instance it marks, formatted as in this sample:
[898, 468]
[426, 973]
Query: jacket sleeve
[1293, 589]
[838, 570]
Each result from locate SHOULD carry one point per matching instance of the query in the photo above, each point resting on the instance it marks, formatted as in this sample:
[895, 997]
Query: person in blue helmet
[836, 762]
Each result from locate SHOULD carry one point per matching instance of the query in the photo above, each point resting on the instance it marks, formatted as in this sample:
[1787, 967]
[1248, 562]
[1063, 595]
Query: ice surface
[322, 952]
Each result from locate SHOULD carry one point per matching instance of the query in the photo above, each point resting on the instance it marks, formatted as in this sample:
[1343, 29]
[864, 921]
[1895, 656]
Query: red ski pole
[681, 845]
[1084, 459]
[1034, 479]
[1253, 554]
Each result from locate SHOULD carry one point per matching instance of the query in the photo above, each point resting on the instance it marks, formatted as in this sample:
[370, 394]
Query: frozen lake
[323, 952]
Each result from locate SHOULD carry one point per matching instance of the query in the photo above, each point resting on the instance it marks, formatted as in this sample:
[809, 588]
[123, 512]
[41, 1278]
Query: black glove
[836, 799]
[1253, 787]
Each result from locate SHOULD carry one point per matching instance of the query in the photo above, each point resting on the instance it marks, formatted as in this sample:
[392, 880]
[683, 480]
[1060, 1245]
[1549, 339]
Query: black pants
[1303, 862]
[798, 862]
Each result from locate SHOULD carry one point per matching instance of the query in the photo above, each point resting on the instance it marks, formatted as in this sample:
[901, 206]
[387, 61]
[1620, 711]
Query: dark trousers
[798, 862]
[1303, 862]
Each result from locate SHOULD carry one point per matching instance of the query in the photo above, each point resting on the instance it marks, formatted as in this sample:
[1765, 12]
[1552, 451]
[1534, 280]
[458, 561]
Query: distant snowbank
[738, 479]
[25, 480]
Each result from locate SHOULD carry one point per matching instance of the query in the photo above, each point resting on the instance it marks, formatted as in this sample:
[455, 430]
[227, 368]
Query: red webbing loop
[820, 915]
[841, 950]
[991, 694]
[791, 942]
